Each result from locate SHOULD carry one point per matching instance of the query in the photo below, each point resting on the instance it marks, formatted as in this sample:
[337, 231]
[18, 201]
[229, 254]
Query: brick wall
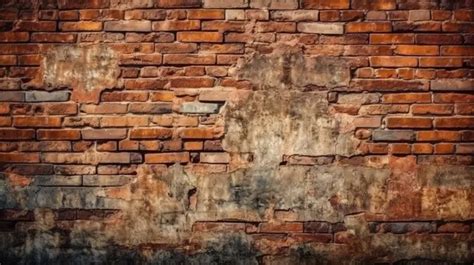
[236, 131]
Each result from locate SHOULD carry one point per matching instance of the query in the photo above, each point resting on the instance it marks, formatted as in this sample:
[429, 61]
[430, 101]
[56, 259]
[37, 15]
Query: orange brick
[417, 50]
[177, 59]
[422, 149]
[407, 98]
[354, 27]
[80, 26]
[400, 149]
[200, 133]
[444, 148]
[438, 136]
[393, 61]
[199, 36]
[167, 158]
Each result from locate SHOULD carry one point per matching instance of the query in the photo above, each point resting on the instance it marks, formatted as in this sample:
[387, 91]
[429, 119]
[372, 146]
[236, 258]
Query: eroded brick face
[236, 132]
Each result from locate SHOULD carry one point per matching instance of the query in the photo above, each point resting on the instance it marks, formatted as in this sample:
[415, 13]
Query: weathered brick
[321, 28]
[37, 122]
[374, 4]
[433, 109]
[104, 108]
[214, 158]
[274, 4]
[61, 134]
[42, 96]
[393, 135]
[452, 85]
[197, 107]
[101, 134]
[326, 4]
[179, 59]
[441, 62]
[295, 15]
[150, 108]
[128, 25]
[175, 25]
[151, 133]
[225, 3]
[281, 228]
[106, 180]
[454, 123]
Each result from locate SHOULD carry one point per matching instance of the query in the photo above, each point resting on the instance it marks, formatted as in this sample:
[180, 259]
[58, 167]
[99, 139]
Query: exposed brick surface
[236, 131]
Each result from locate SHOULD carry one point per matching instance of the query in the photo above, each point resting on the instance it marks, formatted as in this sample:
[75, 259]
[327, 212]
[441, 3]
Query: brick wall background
[236, 131]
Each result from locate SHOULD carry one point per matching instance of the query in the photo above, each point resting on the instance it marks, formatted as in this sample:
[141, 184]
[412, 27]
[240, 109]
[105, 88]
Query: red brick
[275, 27]
[454, 123]
[374, 4]
[144, 84]
[14, 36]
[408, 122]
[438, 136]
[63, 134]
[206, 14]
[167, 158]
[191, 82]
[66, 4]
[453, 98]
[281, 228]
[457, 50]
[14, 134]
[37, 122]
[124, 96]
[438, 39]
[402, 38]
[467, 149]
[387, 85]
[36, 26]
[19, 158]
[53, 37]
[464, 109]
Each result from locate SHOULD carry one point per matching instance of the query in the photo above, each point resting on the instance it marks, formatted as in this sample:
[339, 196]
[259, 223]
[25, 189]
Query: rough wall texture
[236, 131]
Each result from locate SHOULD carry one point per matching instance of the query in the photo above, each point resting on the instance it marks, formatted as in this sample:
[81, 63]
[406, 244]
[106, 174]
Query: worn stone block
[41, 96]
[198, 107]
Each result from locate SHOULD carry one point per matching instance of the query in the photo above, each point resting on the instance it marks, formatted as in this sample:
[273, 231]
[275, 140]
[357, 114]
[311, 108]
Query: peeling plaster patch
[285, 70]
[86, 69]
[272, 124]
[279, 118]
